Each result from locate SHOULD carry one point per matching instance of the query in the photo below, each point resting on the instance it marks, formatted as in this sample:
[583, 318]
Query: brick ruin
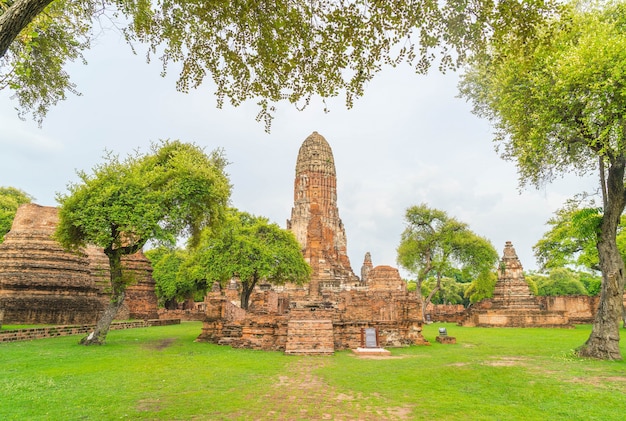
[333, 312]
[513, 304]
[315, 217]
[40, 283]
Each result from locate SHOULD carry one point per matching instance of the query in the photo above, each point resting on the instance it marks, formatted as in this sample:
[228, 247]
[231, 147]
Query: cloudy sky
[409, 140]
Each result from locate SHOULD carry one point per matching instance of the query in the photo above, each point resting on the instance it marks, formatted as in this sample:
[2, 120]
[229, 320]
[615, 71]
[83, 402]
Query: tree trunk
[118, 292]
[603, 343]
[426, 302]
[16, 18]
[246, 291]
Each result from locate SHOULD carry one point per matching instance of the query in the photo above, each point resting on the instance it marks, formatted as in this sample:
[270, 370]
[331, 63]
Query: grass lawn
[161, 373]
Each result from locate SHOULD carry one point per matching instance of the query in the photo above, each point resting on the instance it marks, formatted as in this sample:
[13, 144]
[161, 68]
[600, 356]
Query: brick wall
[54, 331]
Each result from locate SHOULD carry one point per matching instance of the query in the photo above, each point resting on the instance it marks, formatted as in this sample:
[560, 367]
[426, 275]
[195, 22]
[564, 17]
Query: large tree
[175, 190]
[251, 249]
[557, 100]
[436, 245]
[10, 199]
[264, 50]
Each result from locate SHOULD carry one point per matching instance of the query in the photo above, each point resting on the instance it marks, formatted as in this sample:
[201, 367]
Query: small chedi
[337, 308]
[40, 283]
[513, 304]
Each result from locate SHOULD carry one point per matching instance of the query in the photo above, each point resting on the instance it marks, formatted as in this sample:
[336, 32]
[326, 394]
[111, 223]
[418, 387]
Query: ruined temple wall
[579, 309]
[39, 281]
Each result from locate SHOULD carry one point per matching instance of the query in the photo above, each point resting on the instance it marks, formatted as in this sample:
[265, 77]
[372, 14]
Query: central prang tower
[315, 218]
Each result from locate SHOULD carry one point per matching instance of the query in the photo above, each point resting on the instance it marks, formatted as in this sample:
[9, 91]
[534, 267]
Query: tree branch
[16, 18]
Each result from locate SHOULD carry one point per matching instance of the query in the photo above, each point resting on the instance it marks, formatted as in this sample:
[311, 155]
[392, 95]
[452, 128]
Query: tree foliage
[450, 291]
[174, 190]
[10, 199]
[251, 249]
[482, 287]
[171, 285]
[559, 281]
[438, 246]
[572, 238]
[556, 99]
[281, 50]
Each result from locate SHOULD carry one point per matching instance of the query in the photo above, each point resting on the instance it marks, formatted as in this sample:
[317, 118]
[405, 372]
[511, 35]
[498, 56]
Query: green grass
[161, 373]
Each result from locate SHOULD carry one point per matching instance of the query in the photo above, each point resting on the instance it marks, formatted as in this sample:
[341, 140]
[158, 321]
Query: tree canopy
[174, 190]
[282, 50]
[572, 238]
[559, 281]
[171, 285]
[556, 98]
[250, 249]
[436, 245]
[10, 199]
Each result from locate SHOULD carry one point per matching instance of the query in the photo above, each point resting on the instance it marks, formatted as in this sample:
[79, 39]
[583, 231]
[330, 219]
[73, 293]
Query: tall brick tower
[315, 218]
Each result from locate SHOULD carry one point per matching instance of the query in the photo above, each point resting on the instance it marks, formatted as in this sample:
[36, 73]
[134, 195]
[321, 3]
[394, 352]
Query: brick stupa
[39, 281]
[42, 283]
[512, 304]
[315, 217]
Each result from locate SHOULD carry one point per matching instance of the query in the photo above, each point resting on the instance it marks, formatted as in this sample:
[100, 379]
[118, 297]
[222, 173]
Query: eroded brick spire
[315, 217]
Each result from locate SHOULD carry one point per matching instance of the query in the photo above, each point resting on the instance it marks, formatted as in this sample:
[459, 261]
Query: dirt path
[298, 394]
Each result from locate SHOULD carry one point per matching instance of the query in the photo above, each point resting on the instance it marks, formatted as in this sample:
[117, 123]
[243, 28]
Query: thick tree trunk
[118, 292]
[16, 18]
[603, 343]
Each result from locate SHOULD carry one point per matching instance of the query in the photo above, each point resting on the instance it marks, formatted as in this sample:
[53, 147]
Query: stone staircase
[310, 337]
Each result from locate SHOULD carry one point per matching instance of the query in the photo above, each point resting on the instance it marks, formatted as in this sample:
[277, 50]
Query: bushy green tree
[171, 285]
[175, 190]
[436, 245]
[556, 96]
[560, 281]
[267, 51]
[482, 287]
[450, 291]
[251, 249]
[10, 199]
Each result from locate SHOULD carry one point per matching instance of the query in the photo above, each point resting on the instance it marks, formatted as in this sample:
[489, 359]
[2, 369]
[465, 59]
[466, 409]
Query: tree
[560, 281]
[171, 284]
[177, 189]
[556, 99]
[10, 199]
[450, 291]
[482, 287]
[572, 238]
[436, 245]
[267, 51]
[251, 249]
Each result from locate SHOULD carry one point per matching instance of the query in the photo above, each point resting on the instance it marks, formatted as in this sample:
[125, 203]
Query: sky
[409, 140]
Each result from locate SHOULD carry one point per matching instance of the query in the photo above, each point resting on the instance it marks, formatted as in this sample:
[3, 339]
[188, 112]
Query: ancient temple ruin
[315, 217]
[40, 283]
[513, 304]
[338, 308]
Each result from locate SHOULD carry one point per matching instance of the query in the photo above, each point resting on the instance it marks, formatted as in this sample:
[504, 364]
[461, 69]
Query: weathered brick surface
[50, 332]
[310, 337]
[315, 217]
[42, 283]
[39, 281]
[513, 304]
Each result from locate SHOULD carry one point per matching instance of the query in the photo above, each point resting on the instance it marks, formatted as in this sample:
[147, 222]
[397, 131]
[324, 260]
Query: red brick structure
[332, 313]
[40, 283]
[513, 304]
[315, 217]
